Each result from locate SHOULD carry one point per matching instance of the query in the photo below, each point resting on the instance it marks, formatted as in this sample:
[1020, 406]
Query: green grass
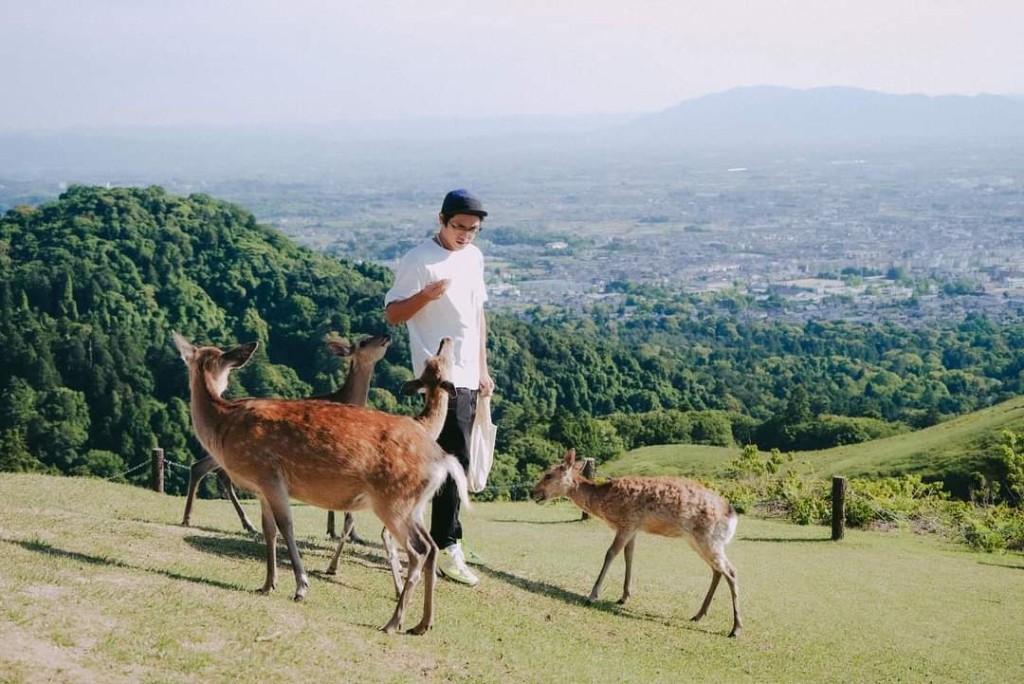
[99, 583]
[949, 451]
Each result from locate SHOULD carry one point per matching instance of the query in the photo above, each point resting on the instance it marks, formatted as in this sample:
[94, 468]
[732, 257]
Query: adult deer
[362, 358]
[436, 385]
[331, 455]
[667, 506]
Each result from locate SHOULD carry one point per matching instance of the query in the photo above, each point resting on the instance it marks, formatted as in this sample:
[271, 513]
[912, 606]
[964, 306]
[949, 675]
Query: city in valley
[896, 230]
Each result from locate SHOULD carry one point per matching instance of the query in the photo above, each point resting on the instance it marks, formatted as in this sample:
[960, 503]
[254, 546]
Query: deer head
[368, 350]
[211, 362]
[558, 480]
[437, 371]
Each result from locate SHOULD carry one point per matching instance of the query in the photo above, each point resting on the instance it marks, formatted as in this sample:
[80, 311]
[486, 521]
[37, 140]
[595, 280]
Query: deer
[436, 385]
[334, 456]
[666, 506]
[362, 357]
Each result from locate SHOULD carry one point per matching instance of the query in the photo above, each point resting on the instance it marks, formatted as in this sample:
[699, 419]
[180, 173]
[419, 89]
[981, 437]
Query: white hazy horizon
[99, 63]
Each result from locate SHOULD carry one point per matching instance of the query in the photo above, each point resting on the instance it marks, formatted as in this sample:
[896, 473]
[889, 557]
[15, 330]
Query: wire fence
[130, 471]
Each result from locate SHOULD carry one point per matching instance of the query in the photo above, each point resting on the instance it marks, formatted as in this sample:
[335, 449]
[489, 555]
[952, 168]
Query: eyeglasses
[468, 231]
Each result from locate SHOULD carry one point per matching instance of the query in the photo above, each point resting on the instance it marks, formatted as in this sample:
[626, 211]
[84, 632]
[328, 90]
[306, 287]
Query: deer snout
[538, 495]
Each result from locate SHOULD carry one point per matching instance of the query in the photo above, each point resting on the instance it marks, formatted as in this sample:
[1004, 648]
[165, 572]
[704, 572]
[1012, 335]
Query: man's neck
[440, 243]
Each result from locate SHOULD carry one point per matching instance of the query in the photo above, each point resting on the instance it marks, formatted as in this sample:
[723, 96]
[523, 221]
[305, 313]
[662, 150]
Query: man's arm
[401, 310]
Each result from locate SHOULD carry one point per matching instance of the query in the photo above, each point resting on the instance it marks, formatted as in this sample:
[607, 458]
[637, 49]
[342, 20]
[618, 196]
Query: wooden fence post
[589, 470]
[156, 470]
[838, 507]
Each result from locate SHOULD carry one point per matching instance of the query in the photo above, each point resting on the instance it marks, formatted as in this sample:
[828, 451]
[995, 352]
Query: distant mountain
[774, 114]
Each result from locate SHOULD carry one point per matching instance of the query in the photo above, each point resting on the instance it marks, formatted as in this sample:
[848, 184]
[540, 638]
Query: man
[439, 292]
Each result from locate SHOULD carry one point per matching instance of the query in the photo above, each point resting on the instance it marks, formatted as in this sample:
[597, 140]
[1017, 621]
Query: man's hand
[486, 384]
[436, 289]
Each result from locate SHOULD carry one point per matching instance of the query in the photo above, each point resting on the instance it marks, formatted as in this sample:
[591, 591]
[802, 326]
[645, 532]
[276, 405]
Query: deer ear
[185, 348]
[412, 387]
[240, 355]
[448, 387]
[340, 348]
[570, 456]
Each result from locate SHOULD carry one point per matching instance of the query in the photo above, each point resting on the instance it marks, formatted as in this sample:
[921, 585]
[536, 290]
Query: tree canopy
[92, 284]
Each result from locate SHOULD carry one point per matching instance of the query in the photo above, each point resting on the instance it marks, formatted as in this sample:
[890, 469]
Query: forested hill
[92, 284]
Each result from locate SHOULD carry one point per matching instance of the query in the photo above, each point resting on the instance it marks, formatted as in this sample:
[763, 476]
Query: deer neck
[209, 410]
[435, 411]
[356, 389]
[588, 495]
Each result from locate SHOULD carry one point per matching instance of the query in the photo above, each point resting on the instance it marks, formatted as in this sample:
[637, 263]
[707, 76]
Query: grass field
[949, 451]
[99, 583]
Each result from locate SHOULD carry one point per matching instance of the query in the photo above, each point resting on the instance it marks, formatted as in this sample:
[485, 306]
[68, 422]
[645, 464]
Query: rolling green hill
[100, 584]
[950, 451]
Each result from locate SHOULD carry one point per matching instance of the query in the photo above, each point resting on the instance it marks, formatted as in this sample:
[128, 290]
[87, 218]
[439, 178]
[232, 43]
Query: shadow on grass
[50, 550]
[245, 546]
[1008, 566]
[218, 530]
[605, 606]
[537, 522]
[786, 540]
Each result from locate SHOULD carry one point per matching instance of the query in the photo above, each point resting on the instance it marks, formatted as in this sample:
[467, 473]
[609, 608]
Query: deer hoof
[419, 629]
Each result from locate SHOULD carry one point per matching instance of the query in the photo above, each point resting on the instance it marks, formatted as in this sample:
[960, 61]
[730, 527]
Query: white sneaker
[453, 566]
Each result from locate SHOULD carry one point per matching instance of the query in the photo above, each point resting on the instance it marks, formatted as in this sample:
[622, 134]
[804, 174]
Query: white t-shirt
[456, 314]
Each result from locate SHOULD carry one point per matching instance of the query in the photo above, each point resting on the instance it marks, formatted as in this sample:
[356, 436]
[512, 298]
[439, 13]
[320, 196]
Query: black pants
[445, 527]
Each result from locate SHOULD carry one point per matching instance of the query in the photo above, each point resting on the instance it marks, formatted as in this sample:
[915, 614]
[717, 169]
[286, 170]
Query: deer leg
[715, 577]
[277, 498]
[734, 590]
[226, 481]
[721, 566]
[350, 529]
[628, 553]
[199, 470]
[621, 537]
[396, 567]
[270, 536]
[429, 578]
[417, 558]
[330, 526]
[332, 569]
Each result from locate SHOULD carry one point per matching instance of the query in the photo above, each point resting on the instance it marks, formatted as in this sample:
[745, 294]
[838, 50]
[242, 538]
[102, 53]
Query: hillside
[91, 287]
[765, 114]
[101, 585]
[92, 284]
[950, 451]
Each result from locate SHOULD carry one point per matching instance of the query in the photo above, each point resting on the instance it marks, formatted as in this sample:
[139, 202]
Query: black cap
[462, 202]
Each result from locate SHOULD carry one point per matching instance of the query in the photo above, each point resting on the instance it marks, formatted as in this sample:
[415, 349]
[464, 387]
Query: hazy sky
[154, 62]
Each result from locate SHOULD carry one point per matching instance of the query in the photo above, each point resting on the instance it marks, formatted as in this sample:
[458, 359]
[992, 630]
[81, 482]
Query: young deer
[668, 506]
[331, 455]
[436, 385]
[361, 360]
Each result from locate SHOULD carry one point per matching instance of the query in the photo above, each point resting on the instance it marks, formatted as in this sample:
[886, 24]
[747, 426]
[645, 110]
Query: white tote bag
[481, 446]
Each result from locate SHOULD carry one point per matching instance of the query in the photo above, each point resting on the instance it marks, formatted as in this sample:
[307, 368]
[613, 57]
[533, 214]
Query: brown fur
[327, 454]
[666, 506]
[436, 384]
[362, 358]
